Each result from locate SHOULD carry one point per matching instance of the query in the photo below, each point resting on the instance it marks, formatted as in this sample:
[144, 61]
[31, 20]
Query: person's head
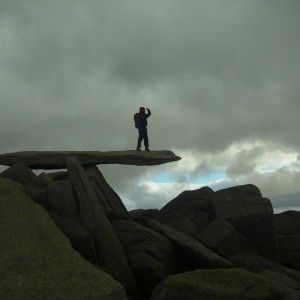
[142, 109]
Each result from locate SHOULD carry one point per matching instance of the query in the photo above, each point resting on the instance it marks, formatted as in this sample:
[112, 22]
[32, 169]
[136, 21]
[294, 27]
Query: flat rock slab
[48, 160]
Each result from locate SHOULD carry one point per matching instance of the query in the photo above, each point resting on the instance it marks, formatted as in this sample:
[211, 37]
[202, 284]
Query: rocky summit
[68, 235]
[47, 160]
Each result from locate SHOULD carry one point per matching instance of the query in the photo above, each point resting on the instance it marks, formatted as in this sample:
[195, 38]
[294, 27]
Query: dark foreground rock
[37, 260]
[19, 173]
[211, 233]
[269, 269]
[287, 228]
[106, 196]
[251, 214]
[81, 239]
[224, 239]
[109, 251]
[190, 212]
[195, 251]
[151, 256]
[226, 284]
[56, 159]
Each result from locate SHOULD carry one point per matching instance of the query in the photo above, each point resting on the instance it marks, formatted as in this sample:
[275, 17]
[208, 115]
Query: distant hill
[287, 200]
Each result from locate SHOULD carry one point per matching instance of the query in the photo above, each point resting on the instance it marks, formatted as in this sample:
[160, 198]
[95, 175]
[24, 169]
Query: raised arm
[149, 112]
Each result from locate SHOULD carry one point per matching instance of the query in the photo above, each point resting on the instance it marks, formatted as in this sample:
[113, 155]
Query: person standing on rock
[140, 120]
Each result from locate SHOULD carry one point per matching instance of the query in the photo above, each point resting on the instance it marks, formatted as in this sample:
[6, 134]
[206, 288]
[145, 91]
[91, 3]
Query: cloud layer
[221, 79]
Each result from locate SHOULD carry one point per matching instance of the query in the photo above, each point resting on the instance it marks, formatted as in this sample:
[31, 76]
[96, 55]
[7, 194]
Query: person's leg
[146, 140]
[140, 138]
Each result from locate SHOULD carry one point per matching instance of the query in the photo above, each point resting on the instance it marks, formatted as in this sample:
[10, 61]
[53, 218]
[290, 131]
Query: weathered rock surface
[38, 195]
[37, 261]
[19, 172]
[224, 239]
[287, 223]
[251, 214]
[151, 256]
[201, 229]
[109, 251]
[201, 256]
[190, 212]
[225, 284]
[81, 240]
[56, 159]
[269, 269]
[62, 199]
[287, 228]
[107, 197]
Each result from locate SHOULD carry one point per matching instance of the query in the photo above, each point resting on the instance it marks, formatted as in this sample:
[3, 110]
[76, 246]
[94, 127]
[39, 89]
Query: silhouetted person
[141, 124]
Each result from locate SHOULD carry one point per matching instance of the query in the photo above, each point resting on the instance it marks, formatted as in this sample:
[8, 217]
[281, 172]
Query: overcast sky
[220, 76]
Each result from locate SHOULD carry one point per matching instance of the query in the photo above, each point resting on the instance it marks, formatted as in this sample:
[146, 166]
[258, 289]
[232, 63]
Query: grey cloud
[214, 73]
[244, 163]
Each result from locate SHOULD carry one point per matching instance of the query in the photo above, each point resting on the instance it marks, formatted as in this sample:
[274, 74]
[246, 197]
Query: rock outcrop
[68, 235]
[218, 284]
[151, 256]
[49, 160]
[251, 214]
[224, 238]
[109, 252]
[37, 260]
[201, 256]
[287, 228]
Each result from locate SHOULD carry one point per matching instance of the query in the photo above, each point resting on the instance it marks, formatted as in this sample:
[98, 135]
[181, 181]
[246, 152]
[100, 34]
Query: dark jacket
[142, 123]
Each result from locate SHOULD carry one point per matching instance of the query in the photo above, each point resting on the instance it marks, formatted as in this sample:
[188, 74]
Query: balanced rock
[56, 159]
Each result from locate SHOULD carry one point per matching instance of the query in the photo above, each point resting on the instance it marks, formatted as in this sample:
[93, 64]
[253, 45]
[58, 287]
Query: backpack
[136, 119]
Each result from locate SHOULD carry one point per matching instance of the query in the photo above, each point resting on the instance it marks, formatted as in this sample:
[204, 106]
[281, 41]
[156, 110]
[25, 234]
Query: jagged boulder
[138, 214]
[224, 284]
[251, 214]
[151, 256]
[62, 199]
[288, 285]
[255, 263]
[287, 223]
[81, 240]
[107, 197]
[109, 251]
[38, 195]
[19, 172]
[192, 252]
[41, 181]
[224, 239]
[37, 260]
[190, 212]
[269, 269]
[287, 228]
[37, 189]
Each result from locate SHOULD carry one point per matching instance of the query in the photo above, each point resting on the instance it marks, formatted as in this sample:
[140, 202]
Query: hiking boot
[147, 149]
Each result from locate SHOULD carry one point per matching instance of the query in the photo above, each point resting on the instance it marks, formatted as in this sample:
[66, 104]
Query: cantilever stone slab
[48, 160]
